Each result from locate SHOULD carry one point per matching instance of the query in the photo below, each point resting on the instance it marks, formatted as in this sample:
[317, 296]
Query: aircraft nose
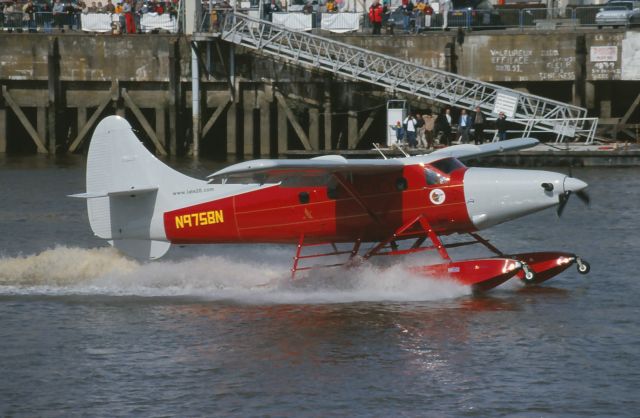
[572, 184]
[495, 195]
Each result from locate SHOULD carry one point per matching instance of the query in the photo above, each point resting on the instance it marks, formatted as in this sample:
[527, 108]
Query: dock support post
[41, 121]
[579, 85]
[605, 100]
[327, 119]
[248, 104]
[3, 125]
[232, 117]
[195, 100]
[352, 129]
[265, 124]
[314, 128]
[160, 126]
[53, 84]
[283, 130]
[82, 118]
[174, 96]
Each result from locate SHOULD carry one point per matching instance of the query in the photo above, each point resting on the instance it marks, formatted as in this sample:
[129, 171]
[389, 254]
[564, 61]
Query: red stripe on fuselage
[276, 214]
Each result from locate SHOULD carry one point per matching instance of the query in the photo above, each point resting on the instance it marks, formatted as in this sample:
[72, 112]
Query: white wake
[247, 274]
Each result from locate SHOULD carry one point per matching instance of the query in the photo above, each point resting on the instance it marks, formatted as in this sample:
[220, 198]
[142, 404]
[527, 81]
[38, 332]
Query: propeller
[563, 198]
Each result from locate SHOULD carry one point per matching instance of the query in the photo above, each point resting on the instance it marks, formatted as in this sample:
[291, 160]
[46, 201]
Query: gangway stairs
[537, 114]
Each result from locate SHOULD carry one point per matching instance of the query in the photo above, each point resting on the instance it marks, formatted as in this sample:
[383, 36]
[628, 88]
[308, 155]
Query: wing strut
[418, 228]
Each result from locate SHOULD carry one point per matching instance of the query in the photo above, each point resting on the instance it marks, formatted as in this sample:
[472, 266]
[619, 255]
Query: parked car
[474, 14]
[619, 13]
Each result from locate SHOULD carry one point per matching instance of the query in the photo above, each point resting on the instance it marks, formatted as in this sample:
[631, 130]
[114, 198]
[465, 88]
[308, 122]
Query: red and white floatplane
[328, 206]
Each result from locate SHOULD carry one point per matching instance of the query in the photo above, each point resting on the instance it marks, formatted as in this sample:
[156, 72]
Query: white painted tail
[128, 190]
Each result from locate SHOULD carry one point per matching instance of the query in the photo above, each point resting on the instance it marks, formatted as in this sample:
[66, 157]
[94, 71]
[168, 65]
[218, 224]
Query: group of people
[67, 13]
[413, 15]
[422, 130]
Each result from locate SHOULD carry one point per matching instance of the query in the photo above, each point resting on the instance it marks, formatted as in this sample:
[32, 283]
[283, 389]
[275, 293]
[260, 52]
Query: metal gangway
[537, 114]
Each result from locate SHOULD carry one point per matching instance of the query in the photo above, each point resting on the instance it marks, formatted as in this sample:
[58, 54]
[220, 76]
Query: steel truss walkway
[536, 113]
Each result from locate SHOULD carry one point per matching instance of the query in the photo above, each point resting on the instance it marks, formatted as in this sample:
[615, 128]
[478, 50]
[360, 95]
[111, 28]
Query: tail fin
[125, 198]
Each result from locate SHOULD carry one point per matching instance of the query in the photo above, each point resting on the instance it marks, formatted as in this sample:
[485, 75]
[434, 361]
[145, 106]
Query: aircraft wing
[474, 151]
[320, 165]
[330, 164]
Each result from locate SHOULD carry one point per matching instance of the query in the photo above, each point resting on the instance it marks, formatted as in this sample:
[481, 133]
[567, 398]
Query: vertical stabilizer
[126, 190]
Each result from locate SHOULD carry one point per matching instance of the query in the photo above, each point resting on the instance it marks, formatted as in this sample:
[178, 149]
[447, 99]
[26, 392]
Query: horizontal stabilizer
[129, 191]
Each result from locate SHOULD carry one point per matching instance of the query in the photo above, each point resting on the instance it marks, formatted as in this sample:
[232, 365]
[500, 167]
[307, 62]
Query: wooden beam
[41, 121]
[283, 130]
[296, 126]
[327, 121]
[55, 104]
[367, 124]
[143, 121]
[3, 126]
[247, 121]
[24, 120]
[232, 125]
[212, 120]
[314, 127]
[265, 126]
[92, 120]
[174, 95]
[352, 129]
[630, 111]
[160, 125]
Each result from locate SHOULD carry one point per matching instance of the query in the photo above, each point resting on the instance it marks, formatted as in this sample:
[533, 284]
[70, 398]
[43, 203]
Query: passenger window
[401, 184]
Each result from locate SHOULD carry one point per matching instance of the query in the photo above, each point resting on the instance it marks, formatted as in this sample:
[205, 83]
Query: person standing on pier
[429, 125]
[477, 122]
[410, 127]
[443, 124]
[375, 17]
[445, 6]
[127, 9]
[501, 126]
[407, 12]
[397, 128]
[58, 14]
[463, 126]
[420, 140]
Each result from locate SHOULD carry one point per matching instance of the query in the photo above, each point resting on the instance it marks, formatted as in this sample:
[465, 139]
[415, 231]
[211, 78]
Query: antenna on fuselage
[376, 146]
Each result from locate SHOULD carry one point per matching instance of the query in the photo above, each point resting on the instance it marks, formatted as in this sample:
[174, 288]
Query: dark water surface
[220, 331]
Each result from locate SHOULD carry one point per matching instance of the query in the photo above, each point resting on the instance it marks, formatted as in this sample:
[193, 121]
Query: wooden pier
[56, 87]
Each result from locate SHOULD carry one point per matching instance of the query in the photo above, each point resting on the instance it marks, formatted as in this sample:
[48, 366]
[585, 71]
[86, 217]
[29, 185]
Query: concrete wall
[92, 58]
[505, 56]
[495, 57]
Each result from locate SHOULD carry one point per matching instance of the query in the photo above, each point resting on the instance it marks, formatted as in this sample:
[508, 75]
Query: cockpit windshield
[447, 165]
[439, 171]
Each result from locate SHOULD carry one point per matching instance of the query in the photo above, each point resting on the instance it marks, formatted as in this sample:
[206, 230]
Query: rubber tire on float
[529, 276]
[583, 267]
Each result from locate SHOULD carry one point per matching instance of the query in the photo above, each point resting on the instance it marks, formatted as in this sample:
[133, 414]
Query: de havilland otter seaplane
[357, 208]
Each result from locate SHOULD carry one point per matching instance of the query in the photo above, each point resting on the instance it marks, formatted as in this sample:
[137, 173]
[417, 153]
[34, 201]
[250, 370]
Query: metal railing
[418, 22]
[48, 21]
[400, 76]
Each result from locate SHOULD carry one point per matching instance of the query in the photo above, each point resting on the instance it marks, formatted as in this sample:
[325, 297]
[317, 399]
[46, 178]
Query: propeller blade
[584, 197]
[562, 202]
